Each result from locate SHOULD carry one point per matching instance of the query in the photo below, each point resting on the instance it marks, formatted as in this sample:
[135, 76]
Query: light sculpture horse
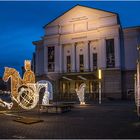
[25, 94]
[15, 81]
[80, 93]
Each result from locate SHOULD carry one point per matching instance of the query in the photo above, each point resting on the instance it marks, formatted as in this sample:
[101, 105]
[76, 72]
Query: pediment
[79, 13]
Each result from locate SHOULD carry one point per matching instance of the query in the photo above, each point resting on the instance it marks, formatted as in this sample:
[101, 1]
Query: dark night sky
[22, 22]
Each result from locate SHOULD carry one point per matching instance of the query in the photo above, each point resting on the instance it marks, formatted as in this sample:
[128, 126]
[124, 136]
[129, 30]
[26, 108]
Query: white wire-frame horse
[81, 93]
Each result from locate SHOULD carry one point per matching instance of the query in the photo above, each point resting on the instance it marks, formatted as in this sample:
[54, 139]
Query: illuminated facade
[77, 44]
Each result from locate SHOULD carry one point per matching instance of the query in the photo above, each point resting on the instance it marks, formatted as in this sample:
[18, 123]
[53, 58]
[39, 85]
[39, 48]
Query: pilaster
[60, 57]
[45, 60]
[73, 57]
[37, 62]
[86, 56]
[102, 53]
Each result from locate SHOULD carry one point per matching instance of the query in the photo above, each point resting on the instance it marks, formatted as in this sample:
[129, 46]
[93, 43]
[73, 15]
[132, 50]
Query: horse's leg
[5, 104]
[2, 103]
[14, 88]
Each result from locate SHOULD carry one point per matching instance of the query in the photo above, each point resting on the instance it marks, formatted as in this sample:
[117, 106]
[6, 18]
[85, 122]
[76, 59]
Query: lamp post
[135, 88]
[137, 95]
[100, 89]
[138, 48]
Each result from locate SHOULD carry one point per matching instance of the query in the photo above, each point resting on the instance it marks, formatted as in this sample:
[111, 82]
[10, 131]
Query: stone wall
[111, 84]
[127, 82]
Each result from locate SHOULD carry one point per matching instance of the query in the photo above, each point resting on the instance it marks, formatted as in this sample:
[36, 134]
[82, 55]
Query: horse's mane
[81, 86]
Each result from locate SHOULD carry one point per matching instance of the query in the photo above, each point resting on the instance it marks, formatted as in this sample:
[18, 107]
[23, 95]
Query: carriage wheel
[27, 97]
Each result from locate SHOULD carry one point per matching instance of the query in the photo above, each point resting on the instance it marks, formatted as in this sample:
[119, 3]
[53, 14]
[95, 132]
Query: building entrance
[67, 90]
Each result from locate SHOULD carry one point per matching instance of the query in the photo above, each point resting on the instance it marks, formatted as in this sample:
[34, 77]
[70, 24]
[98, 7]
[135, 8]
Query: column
[36, 67]
[73, 57]
[64, 58]
[102, 53]
[45, 60]
[60, 58]
[86, 56]
[57, 58]
[117, 52]
[77, 65]
[91, 56]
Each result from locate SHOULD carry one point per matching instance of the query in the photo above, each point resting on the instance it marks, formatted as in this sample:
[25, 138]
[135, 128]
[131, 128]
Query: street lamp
[138, 48]
[137, 85]
[135, 88]
[100, 90]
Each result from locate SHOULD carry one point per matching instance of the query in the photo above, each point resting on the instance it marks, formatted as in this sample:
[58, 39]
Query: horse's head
[83, 85]
[7, 73]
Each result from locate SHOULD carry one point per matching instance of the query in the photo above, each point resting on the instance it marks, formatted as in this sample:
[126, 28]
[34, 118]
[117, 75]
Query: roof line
[59, 16]
[97, 9]
[132, 27]
[72, 8]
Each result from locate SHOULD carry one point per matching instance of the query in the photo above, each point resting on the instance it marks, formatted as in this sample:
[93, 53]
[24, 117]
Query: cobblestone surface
[113, 119]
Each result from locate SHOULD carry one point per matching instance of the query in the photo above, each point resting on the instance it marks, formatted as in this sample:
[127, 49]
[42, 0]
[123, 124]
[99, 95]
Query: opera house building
[78, 43]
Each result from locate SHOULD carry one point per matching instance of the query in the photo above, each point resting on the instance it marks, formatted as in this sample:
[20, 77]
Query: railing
[74, 97]
[78, 71]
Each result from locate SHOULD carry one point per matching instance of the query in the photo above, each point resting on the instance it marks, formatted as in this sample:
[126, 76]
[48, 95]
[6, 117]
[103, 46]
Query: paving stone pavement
[112, 119]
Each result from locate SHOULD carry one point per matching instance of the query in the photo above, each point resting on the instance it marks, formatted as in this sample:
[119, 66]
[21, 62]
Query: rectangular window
[81, 60]
[110, 55]
[94, 61]
[51, 59]
[68, 64]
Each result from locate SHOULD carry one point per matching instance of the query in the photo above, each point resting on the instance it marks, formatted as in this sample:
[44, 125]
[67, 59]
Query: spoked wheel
[27, 97]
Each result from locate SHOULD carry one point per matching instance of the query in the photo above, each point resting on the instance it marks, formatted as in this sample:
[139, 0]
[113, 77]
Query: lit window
[110, 56]
[94, 61]
[51, 59]
[68, 64]
[81, 59]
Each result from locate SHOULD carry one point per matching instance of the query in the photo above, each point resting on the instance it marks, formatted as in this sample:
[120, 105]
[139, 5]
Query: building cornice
[37, 43]
[131, 28]
[84, 32]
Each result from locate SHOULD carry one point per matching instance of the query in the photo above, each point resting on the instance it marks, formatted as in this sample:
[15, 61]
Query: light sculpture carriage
[25, 92]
